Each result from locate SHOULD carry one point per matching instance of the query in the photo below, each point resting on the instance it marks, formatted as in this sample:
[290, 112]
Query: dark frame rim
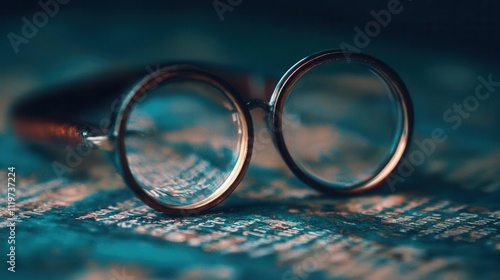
[392, 79]
[161, 76]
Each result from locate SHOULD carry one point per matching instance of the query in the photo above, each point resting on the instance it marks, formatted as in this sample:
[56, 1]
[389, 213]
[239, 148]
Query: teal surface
[439, 219]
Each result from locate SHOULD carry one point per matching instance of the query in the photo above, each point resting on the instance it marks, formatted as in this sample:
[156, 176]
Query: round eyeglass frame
[166, 75]
[397, 88]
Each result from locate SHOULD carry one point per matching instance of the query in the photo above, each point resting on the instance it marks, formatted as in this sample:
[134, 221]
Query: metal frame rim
[163, 75]
[397, 87]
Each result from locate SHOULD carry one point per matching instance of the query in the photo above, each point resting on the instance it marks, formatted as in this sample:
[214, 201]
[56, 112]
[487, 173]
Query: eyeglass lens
[341, 123]
[182, 141]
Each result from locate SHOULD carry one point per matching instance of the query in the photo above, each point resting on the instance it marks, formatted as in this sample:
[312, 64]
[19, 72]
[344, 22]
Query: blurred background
[439, 49]
[443, 50]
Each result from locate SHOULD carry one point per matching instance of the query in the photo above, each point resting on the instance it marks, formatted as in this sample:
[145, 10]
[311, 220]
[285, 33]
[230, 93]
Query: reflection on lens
[183, 141]
[341, 123]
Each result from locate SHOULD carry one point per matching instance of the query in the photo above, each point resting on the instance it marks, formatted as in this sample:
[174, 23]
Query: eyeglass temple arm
[72, 113]
[75, 114]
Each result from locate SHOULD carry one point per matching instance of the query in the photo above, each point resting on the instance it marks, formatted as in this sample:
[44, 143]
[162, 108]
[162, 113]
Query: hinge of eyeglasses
[101, 142]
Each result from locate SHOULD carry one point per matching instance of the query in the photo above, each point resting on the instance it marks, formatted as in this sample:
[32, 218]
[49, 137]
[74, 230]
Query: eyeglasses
[182, 135]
